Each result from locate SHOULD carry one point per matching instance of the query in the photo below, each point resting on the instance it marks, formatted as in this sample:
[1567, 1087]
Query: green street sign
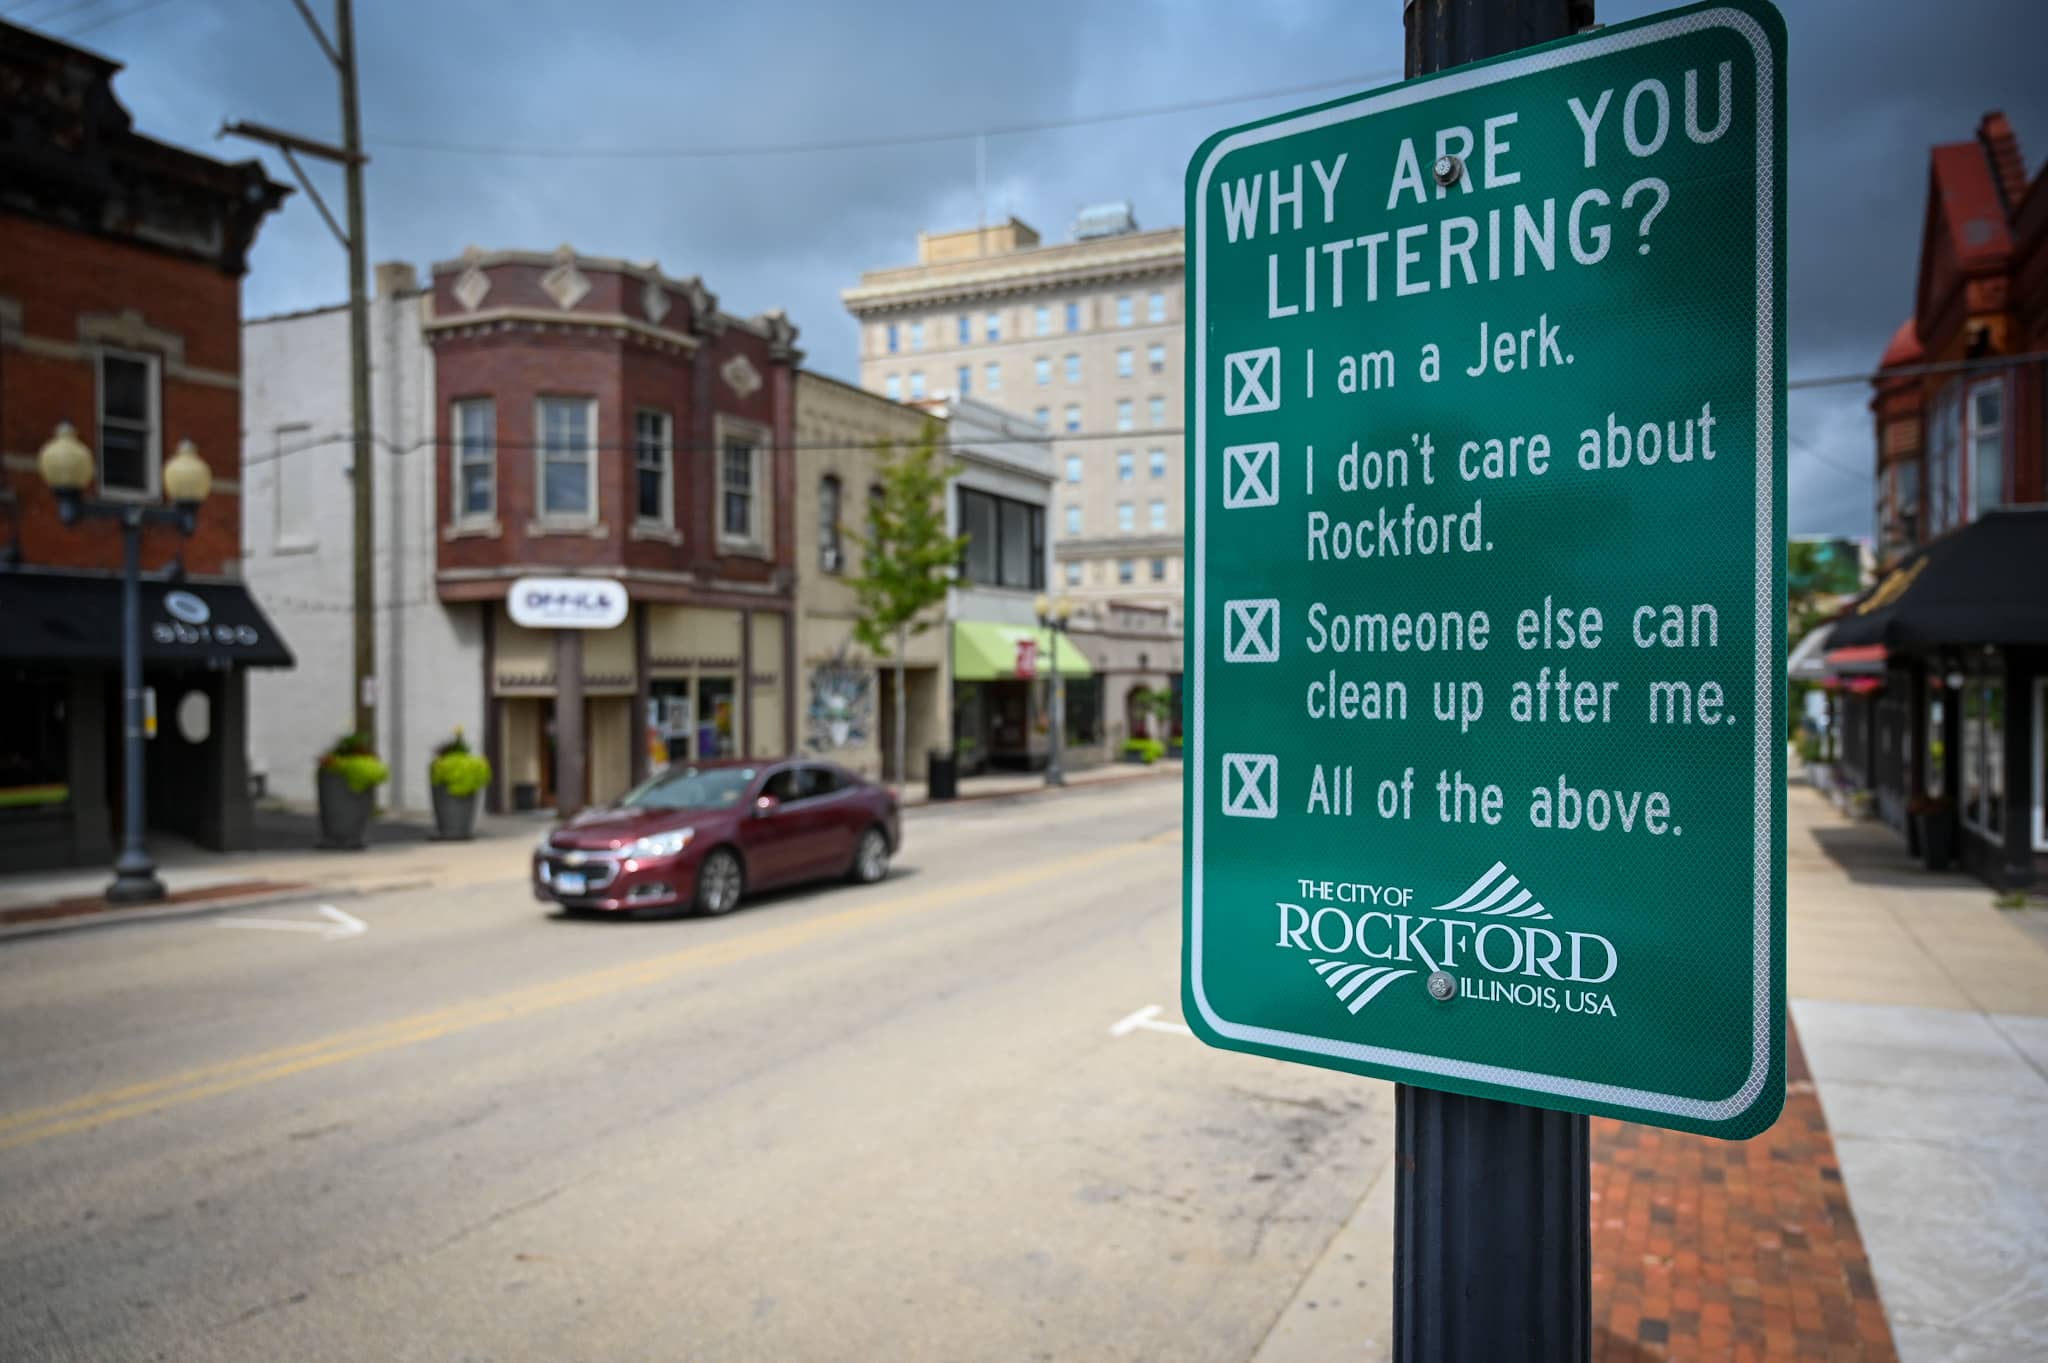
[1487, 623]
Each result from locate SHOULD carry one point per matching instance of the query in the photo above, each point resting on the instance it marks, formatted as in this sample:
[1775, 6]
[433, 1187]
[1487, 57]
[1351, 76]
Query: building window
[1073, 417]
[1983, 755]
[1124, 366]
[1073, 369]
[476, 459]
[1005, 541]
[1073, 317]
[966, 329]
[1156, 514]
[1073, 574]
[653, 458]
[1155, 307]
[917, 336]
[568, 458]
[1126, 466]
[992, 377]
[1041, 318]
[890, 332]
[1041, 371]
[1987, 446]
[1073, 468]
[1073, 520]
[893, 386]
[966, 378]
[1156, 461]
[128, 423]
[1123, 414]
[2041, 764]
[1965, 453]
[1123, 311]
[742, 485]
[1042, 415]
[1159, 570]
[1126, 570]
[1898, 510]
[831, 557]
[1155, 410]
[995, 326]
[1126, 516]
[916, 384]
[1155, 358]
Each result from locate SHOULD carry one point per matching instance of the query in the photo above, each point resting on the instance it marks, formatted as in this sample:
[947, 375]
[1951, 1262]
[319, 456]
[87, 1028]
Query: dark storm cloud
[1873, 84]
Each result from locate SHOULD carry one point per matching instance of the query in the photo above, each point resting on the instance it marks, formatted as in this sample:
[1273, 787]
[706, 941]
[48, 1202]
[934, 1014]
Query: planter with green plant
[457, 778]
[1934, 829]
[349, 775]
[1145, 750]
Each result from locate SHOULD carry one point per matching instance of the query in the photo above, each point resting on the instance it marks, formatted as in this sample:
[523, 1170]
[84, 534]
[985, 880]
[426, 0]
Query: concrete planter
[455, 815]
[344, 814]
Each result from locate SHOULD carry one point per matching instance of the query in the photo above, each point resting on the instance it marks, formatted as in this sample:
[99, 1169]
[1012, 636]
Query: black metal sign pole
[1492, 1219]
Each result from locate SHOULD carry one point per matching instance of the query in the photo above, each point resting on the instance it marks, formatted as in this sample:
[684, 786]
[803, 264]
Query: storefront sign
[1486, 772]
[567, 602]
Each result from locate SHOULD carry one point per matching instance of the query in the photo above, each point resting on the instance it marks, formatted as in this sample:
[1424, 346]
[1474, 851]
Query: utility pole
[1493, 1239]
[341, 53]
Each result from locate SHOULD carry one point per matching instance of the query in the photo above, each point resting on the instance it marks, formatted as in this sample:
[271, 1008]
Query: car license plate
[571, 882]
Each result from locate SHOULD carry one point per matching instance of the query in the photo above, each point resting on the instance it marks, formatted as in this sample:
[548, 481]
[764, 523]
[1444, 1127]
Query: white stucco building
[298, 531]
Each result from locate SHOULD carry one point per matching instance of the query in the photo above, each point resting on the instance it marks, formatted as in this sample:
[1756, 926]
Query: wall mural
[842, 709]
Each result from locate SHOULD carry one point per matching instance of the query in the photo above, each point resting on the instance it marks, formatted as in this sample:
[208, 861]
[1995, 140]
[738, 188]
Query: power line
[1906, 371]
[115, 17]
[706, 153]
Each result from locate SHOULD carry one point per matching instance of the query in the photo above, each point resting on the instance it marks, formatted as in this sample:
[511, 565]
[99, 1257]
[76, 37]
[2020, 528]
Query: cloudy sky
[454, 109]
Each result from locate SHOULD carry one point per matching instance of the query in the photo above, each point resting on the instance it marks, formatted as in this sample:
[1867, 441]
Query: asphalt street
[881, 1123]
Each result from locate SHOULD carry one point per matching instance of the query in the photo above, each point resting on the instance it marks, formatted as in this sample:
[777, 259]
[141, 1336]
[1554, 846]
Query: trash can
[941, 775]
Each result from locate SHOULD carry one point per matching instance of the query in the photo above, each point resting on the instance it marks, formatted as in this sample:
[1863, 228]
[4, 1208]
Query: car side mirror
[765, 806]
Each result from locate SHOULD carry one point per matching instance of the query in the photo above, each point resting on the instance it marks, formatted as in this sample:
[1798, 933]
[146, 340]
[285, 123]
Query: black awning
[1986, 583]
[71, 618]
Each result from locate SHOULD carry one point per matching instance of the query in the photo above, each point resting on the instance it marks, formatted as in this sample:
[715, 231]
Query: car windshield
[690, 788]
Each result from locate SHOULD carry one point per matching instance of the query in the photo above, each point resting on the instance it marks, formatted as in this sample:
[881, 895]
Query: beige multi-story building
[846, 701]
[1082, 336]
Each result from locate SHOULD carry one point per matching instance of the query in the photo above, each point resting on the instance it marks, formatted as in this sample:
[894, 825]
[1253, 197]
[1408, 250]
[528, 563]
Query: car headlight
[664, 844]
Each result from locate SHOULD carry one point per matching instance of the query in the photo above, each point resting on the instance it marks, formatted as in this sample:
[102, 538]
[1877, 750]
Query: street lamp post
[1053, 616]
[67, 466]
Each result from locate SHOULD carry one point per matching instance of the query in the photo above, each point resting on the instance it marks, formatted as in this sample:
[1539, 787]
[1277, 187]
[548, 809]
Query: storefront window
[32, 736]
[1083, 711]
[1983, 754]
[715, 732]
[1937, 744]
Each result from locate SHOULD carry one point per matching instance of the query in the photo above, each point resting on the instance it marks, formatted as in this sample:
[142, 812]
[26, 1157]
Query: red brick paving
[1706, 1250]
[84, 905]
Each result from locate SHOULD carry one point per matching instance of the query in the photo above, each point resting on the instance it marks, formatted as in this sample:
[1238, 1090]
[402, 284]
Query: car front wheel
[720, 881]
[870, 858]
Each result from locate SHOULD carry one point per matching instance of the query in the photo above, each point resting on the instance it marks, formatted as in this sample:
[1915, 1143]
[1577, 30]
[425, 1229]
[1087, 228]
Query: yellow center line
[91, 1110]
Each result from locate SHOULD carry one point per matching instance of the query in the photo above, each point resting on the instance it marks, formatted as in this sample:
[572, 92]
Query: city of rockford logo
[1487, 941]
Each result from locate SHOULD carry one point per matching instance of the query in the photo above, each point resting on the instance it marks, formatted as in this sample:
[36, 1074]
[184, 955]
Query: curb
[199, 908]
[1036, 792]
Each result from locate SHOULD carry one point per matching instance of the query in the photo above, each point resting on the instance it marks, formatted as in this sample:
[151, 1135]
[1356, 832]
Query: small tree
[908, 559]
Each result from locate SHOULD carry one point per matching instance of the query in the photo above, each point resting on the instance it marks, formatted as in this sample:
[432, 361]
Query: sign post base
[1492, 1231]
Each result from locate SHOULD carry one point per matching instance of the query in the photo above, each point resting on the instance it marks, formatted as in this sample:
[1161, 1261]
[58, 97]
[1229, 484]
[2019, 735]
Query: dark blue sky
[1873, 84]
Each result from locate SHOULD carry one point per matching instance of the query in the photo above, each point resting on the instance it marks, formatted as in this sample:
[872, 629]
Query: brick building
[1945, 661]
[121, 260]
[540, 415]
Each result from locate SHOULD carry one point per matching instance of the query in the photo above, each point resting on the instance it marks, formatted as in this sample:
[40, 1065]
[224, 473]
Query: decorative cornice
[505, 319]
[1045, 267]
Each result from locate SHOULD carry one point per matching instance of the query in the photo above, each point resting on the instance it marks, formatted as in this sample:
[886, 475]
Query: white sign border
[1677, 1105]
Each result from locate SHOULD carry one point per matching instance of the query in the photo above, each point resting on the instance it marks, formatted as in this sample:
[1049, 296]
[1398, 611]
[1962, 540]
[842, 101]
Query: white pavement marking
[338, 924]
[1146, 1018]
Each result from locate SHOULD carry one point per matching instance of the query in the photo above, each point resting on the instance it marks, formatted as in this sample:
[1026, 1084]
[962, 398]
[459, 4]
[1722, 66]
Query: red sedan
[698, 836]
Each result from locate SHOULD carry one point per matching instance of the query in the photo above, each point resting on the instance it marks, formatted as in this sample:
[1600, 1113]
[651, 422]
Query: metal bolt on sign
[1442, 986]
[1448, 169]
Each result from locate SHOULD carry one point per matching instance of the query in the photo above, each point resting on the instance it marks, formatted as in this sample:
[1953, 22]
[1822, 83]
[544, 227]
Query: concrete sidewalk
[1924, 1012]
